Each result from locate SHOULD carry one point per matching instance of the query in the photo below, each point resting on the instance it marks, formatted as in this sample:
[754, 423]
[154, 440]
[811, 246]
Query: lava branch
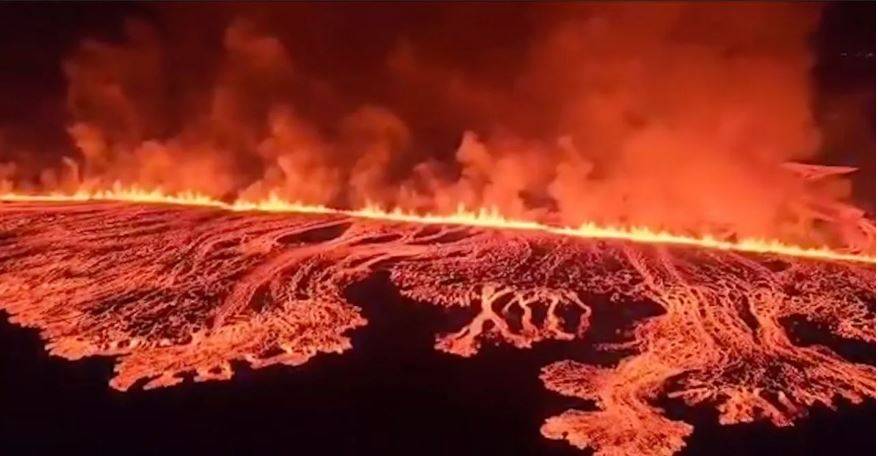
[489, 321]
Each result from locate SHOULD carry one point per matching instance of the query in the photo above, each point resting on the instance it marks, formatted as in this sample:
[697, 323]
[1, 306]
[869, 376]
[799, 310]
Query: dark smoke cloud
[668, 115]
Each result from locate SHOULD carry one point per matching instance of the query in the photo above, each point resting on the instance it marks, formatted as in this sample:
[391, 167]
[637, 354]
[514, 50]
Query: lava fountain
[176, 290]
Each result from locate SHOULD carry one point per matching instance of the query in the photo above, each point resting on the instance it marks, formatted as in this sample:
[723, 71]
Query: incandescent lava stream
[174, 290]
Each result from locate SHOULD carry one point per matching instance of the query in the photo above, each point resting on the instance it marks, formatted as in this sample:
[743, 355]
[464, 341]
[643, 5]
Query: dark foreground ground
[392, 394]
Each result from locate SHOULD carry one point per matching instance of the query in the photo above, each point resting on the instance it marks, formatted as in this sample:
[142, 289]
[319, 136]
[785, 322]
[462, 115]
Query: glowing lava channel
[486, 218]
[176, 292]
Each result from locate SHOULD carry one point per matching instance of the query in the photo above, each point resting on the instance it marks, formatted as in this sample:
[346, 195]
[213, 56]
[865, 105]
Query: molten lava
[488, 218]
[177, 289]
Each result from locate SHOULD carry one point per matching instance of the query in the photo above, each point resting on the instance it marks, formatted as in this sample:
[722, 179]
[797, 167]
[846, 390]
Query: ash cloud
[674, 116]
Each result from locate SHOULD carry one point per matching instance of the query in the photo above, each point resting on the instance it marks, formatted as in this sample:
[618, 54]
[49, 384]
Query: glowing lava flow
[487, 218]
[186, 289]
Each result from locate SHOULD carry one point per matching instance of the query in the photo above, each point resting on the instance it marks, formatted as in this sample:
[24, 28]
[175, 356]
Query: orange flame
[487, 218]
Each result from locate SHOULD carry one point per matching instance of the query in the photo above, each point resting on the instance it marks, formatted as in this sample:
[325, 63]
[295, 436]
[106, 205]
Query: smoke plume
[676, 116]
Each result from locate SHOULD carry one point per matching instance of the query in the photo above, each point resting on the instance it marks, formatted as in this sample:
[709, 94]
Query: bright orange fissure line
[489, 218]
